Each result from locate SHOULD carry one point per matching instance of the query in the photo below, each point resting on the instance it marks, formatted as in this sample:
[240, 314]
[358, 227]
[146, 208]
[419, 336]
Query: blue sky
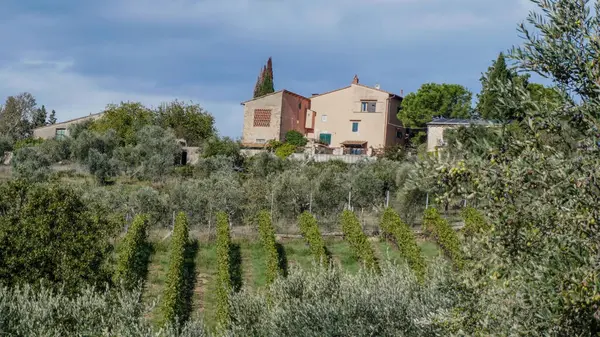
[77, 56]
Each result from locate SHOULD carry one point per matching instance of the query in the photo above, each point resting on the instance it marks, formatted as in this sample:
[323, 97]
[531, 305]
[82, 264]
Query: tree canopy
[431, 100]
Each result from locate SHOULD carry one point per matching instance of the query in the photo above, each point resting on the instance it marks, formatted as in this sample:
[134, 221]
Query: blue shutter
[355, 127]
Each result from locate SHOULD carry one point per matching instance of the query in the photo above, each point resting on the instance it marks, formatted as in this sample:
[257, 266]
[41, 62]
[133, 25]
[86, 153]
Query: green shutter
[325, 138]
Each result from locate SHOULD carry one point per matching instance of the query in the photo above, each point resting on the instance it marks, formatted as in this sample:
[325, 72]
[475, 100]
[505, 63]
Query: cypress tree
[489, 98]
[264, 83]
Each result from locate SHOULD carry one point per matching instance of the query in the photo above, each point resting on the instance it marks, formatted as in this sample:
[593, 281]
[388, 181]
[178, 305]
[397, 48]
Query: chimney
[355, 80]
[315, 94]
[401, 92]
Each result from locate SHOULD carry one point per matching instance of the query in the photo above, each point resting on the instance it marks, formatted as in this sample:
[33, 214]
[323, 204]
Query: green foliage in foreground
[445, 236]
[393, 226]
[310, 231]
[358, 240]
[131, 264]
[475, 223]
[174, 304]
[48, 233]
[329, 302]
[267, 238]
[30, 313]
[223, 268]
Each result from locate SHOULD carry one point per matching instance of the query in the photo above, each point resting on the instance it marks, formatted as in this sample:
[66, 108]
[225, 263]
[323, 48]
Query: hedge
[267, 238]
[223, 267]
[437, 227]
[393, 227]
[130, 259]
[474, 222]
[174, 304]
[310, 230]
[358, 240]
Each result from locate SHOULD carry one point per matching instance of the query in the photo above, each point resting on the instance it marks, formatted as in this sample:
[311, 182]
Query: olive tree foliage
[153, 156]
[29, 312]
[31, 163]
[539, 190]
[329, 302]
[95, 150]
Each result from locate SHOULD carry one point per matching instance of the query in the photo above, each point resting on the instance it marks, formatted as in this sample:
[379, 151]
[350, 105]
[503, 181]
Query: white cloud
[72, 95]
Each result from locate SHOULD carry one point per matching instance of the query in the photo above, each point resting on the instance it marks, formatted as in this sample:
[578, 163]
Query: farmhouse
[61, 130]
[356, 118]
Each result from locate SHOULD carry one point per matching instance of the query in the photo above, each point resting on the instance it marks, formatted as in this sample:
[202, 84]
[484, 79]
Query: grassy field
[251, 265]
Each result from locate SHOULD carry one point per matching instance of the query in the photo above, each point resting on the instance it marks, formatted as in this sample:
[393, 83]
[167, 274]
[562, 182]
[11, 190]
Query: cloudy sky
[76, 56]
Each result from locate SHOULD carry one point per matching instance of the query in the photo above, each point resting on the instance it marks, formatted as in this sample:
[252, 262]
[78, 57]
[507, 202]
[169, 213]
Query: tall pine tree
[39, 117]
[264, 83]
[52, 118]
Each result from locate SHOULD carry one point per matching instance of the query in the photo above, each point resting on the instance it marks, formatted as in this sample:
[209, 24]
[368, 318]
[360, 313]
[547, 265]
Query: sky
[78, 56]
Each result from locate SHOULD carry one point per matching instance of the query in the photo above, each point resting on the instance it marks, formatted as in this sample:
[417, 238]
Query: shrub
[131, 258]
[48, 233]
[28, 142]
[295, 138]
[285, 150]
[437, 227]
[310, 230]
[393, 226]
[474, 222]
[358, 240]
[174, 304]
[267, 238]
[223, 268]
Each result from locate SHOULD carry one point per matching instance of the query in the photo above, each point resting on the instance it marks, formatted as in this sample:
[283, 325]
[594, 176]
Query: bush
[393, 226]
[48, 233]
[174, 303]
[131, 264]
[358, 240]
[295, 138]
[437, 227]
[310, 230]
[223, 268]
[475, 223]
[27, 142]
[285, 150]
[267, 238]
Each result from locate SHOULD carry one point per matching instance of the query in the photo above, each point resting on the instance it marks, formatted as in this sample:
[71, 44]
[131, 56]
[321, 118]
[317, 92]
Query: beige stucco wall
[250, 133]
[48, 132]
[435, 134]
[342, 107]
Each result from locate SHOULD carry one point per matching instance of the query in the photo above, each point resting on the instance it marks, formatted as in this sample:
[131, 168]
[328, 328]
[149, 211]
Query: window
[260, 141]
[60, 133]
[354, 126]
[262, 118]
[325, 138]
[324, 118]
[300, 106]
[368, 106]
[398, 133]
